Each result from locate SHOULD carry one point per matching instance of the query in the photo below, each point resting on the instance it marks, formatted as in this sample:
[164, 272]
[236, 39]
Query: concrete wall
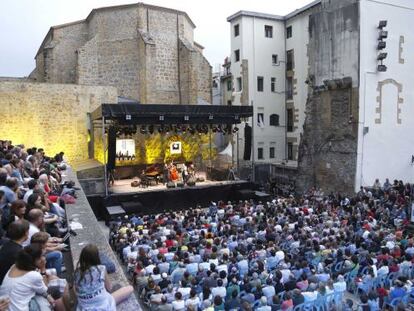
[52, 116]
[334, 41]
[386, 98]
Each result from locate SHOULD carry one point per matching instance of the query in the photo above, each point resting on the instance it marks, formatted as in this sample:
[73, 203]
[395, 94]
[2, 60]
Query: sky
[24, 24]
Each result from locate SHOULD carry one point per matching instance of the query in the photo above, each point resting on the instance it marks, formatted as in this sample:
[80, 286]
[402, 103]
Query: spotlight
[143, 129]
[235, 129]
[382, 24]
[381, 45]
[183, 128]
[382, 68]
[151, 129]
[177, 128]
[214, 129]
[382, 56]
[160, 129]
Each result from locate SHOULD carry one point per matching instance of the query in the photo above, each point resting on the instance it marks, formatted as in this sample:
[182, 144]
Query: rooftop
[271, 16]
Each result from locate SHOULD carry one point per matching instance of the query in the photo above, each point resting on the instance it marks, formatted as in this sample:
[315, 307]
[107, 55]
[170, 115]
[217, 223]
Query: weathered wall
[328, 148]
[327, 153]
[334, 41]
[52, 116]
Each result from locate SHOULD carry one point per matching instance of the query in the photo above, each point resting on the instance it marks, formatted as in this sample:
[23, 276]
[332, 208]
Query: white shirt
[20, 290]
[32, 230]
[178, 305]
[339, 287]
[220, 291]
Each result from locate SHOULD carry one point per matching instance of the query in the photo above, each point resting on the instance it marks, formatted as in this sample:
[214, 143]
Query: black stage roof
[133, 113]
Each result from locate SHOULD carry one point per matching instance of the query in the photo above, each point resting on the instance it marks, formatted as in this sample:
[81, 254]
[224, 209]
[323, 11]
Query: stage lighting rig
[143, 129]
[151, 129]
[235, 129]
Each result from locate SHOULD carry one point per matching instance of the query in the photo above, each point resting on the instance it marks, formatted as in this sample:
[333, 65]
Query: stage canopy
[133, 113]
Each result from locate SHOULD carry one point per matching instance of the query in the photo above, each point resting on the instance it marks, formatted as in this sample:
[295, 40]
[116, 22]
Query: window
[239, 84]
[236, 30]
[289, 88]
[274, 120]
[229, 103]
[290, 120]
[290, 60]
[290, 151]
[268, 31]
[229, 85]
[289, 32]
[272, 152]
[273, 84]
[236, 56]
[260, 153]
[260, 84]
[274, 59]
[260, 119]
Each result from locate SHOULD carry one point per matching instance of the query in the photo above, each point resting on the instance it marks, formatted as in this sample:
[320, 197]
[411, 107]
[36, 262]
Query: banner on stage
[175, 147]
[125, 147]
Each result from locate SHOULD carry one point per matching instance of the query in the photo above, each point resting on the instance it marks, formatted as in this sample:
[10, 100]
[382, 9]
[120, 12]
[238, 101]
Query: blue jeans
[54, 260]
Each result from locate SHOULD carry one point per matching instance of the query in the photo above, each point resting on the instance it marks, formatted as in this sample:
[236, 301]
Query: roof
[302, 9]
[171, 114]
[271, 16]
[255, 14]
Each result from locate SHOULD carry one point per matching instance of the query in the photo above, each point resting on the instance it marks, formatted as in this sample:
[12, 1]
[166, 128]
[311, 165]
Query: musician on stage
[166, 174]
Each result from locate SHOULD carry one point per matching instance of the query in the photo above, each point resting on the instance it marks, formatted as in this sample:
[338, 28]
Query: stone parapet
[91, 233]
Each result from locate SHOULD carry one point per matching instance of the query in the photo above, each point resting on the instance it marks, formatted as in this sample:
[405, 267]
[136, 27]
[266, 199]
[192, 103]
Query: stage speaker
[180, 184]
[170, 184]
[191, 182]
[247, 142]
[111, 148]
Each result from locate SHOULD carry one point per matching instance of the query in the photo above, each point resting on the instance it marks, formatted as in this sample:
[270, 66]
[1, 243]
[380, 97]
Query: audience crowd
[325, 251]
[33, 198]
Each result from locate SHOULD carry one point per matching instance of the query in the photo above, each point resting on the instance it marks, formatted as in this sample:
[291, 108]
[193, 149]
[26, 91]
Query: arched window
[274, 120]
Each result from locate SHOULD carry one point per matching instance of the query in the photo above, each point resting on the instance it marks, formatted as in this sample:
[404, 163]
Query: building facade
[147, 52]
[340, 93]
[269, 64]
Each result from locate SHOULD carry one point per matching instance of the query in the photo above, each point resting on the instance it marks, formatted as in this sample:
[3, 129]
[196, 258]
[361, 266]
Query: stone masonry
[52, 116]
[328, 149]
[148, 53]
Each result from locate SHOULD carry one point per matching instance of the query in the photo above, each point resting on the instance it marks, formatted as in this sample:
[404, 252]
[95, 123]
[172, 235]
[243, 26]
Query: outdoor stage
[157, 199]
[124, 186]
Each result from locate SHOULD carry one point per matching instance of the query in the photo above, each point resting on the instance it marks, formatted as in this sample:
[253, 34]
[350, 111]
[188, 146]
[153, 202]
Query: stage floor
[124, 186]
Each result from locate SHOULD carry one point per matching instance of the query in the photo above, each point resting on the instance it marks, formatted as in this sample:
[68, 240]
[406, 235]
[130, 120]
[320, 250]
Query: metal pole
[104, 154]
[210, 157]
[253, 153]
[238, 156]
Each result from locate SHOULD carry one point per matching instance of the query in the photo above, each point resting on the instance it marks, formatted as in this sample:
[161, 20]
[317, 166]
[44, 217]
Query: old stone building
[147, 52]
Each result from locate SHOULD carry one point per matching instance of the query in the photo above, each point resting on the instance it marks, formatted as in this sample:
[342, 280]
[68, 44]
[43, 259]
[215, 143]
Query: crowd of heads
[272, 255]
[32, 214]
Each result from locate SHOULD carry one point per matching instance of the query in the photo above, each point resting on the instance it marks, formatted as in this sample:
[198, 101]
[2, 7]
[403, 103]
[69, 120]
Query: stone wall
[328, 149]
[132, 47]
[52, 116]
